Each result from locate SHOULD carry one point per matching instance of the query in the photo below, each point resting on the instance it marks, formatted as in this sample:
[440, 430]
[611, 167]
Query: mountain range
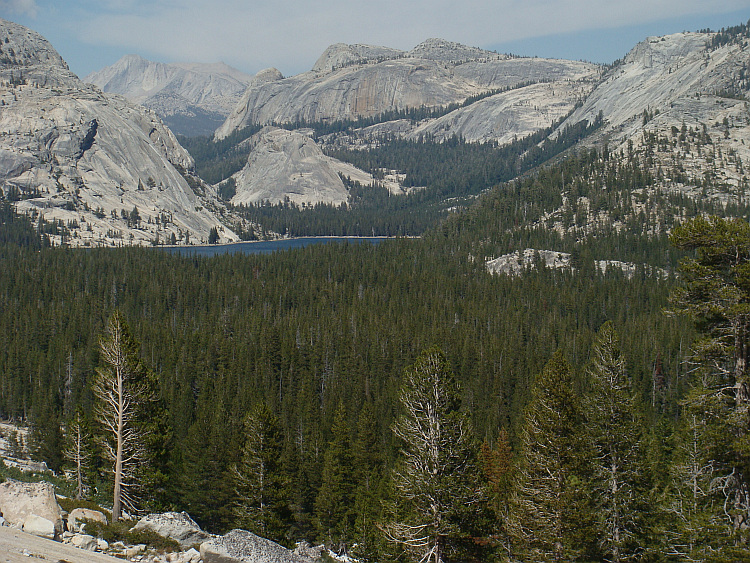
[191, 98]
[72, 153]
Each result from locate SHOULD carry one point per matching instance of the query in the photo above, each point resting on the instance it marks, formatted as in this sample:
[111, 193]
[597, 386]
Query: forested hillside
[441, 176]
[315, 343]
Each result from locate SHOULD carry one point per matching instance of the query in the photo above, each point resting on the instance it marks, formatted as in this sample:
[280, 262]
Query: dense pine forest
[583, 415]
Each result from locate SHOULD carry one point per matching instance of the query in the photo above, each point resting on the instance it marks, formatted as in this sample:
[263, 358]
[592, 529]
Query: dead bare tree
[118, 387]
[77, 451]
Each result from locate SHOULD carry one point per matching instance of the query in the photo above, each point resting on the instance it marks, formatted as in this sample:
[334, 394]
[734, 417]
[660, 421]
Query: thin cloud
[19, 7]
[291, 34]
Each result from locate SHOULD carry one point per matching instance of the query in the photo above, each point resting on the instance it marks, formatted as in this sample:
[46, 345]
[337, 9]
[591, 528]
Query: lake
[266, 246]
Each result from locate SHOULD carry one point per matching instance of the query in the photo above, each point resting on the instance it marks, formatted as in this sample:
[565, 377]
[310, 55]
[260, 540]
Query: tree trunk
[117, 496]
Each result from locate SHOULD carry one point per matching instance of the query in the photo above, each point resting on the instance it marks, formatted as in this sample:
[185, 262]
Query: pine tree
[435, 480]
[368, 476]
[551, 515]
[694, 526]
[615, 428]
[715, 293]
[497, 468]
[77, 450]
[45, 437]
[151, 419]
[205, 479]
[258, 477]
[333, 505]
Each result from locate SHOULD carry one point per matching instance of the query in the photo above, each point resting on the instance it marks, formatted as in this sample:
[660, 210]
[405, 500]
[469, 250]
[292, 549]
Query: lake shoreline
[268, 246]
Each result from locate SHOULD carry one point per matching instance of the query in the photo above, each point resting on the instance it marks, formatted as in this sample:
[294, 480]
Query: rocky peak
[340, 55]
[666, 50]
[22, 47]
[447, 51]
[106, 167]
[267, 75]
[201, 93]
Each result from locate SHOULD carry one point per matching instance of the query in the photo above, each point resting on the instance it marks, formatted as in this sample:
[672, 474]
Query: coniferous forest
[398, 402]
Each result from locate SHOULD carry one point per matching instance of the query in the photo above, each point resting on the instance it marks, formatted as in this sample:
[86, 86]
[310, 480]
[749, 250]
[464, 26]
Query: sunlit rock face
[107, 168]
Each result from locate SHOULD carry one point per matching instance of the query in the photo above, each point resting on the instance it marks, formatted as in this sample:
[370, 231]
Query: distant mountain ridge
[71, 153]
[351, 81]
[191, 97]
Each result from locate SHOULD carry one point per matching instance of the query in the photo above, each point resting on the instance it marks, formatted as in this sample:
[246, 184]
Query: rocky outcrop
[77, 514]
[188, 90]
[658, 72]
[516, 263]
[290, 165]
[73, 154]
[31, 506]
[307, 551]
[340, 55]
[241, 546]
[175, 525]
[350, 81]
[503, 117]
[84, 541]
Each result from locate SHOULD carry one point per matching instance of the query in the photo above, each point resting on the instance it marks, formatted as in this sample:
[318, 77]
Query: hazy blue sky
[291, 34]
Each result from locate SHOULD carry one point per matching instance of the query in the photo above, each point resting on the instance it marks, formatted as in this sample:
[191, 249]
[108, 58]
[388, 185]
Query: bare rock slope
[659, 72]
[191, 97]
[19, 547]
[350, 81]
[678, 103]
[289, 165]
[107, 169]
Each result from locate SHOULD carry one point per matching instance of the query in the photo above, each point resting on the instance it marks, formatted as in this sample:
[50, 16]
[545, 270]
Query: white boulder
[85, 541]
[39, 526]
[20, 500]
[78, 514]
[175, 525]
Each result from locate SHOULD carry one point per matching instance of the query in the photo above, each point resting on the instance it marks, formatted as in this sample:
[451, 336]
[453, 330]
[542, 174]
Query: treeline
[727, 35]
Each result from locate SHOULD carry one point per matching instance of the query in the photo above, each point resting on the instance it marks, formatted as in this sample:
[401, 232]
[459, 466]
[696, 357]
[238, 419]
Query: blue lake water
[267, 246]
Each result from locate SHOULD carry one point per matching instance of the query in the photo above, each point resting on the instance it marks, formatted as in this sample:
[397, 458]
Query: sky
[290, 35]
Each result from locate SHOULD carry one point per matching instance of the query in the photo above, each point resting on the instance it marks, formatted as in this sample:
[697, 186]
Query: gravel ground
[19, 547]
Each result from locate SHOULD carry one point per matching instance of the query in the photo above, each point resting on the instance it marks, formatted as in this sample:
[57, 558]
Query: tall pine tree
[333, 505]
[435, 479]
[615, 428]
[551, 513]
[715, 294]
[259, 478]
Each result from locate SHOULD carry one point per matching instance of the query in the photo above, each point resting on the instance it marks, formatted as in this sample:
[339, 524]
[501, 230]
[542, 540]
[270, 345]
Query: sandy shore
[19, 547]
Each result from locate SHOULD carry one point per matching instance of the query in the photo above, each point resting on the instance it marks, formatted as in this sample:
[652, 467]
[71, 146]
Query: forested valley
[449, 175]
[584, 415]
